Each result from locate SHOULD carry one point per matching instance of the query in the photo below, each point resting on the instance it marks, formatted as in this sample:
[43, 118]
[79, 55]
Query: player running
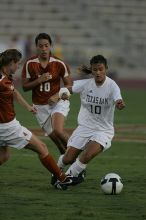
[12, 133]
[99, 97]
[43, 74]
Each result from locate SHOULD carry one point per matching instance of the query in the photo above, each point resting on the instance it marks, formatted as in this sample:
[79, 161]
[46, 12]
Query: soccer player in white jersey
[99, 97]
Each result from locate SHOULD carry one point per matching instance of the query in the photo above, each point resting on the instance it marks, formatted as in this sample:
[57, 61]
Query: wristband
[64, 91]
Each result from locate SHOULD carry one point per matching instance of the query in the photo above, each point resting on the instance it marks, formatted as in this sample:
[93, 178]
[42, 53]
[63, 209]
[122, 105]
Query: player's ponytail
[84, 69]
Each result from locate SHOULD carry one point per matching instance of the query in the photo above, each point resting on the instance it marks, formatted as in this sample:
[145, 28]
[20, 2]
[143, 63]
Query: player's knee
[44, 146]
[67, 160]
[43, 151]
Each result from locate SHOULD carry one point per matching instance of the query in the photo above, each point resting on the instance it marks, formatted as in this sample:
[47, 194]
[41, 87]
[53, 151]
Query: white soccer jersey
[97, 104]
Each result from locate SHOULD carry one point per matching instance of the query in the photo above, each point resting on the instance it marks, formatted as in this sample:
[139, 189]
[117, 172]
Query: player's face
[99, 73]
[13, 67]
[43, 48]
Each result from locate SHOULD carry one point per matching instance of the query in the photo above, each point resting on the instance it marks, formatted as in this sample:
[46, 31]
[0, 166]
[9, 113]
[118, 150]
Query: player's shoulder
[81, 84]
[32, 59]
[56, 59]
[112, 84]
[110, 81]
[82, 81]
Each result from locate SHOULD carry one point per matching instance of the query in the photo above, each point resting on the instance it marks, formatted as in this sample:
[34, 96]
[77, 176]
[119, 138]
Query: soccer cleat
[63, 185]
[79, 179]
[82, 174]
[53, 179]
[59, 186]
[69, 181]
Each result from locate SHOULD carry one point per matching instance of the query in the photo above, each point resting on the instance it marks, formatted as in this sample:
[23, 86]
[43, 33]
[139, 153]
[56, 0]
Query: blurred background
[81, 29]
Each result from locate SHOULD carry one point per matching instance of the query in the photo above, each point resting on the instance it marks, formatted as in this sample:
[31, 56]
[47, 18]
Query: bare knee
[43, 150]
[39, 147]
[67, 160]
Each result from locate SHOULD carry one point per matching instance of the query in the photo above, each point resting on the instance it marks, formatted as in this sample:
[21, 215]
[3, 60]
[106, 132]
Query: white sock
[76, 168]
[60, 162]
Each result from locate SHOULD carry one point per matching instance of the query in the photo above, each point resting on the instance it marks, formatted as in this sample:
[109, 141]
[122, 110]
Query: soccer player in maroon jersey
[43, 74]
[12, 133]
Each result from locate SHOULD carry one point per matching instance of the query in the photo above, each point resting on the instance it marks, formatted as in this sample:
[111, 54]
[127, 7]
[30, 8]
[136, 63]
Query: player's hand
[65, 96]
[45, 77]
[120, 104]
[64, 93]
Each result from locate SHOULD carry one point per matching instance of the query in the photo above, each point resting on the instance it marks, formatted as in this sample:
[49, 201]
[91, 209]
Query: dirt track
[124, 133]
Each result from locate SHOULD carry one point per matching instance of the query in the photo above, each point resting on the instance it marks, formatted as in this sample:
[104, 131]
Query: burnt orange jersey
[7, 112]
[33, 69]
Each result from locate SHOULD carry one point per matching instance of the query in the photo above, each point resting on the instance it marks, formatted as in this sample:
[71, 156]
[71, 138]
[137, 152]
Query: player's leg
[65, 159]
[45, 157]
[72, 152]
[92, 145]
[59, 114]
[69, 157]
[61, 147]
[58, 120]
[4, 154]
[91, 150]
[44, 119]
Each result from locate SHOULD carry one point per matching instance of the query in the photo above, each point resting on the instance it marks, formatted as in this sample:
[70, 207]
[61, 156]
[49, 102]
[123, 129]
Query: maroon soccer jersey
[33, 69]
[7, 112]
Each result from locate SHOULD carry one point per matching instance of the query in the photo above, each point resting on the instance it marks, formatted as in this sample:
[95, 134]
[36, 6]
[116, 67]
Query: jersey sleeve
[116, 92]
[64, 69]
[78, 85]
[25, 71]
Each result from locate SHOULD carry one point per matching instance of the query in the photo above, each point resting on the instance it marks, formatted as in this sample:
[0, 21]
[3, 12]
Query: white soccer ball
[111, 184]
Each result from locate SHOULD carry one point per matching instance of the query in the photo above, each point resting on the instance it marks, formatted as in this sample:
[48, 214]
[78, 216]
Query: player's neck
[44, 61]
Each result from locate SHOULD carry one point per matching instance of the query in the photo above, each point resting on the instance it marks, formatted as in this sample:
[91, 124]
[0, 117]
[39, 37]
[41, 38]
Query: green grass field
[26, 193]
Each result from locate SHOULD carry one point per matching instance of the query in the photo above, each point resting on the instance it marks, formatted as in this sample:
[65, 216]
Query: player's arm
[29, 85]
[19, 98]
[67, 81]
[65, 92]
[119, 103]
[77, 87]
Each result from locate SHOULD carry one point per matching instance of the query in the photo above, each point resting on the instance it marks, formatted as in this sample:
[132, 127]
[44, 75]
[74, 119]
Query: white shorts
[81, 136]
[45, 112]
[12, 134]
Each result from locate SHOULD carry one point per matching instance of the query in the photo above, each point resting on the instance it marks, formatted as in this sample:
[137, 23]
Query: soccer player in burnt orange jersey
[12, 133]
[43, 74]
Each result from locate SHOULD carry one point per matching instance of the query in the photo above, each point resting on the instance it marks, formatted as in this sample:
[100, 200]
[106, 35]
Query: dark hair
[43, 36]
[98, 59]
[94, 60]
[8, 56]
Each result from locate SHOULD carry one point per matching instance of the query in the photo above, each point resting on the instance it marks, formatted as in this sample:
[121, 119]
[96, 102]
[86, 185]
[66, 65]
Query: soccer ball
[111, 184]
